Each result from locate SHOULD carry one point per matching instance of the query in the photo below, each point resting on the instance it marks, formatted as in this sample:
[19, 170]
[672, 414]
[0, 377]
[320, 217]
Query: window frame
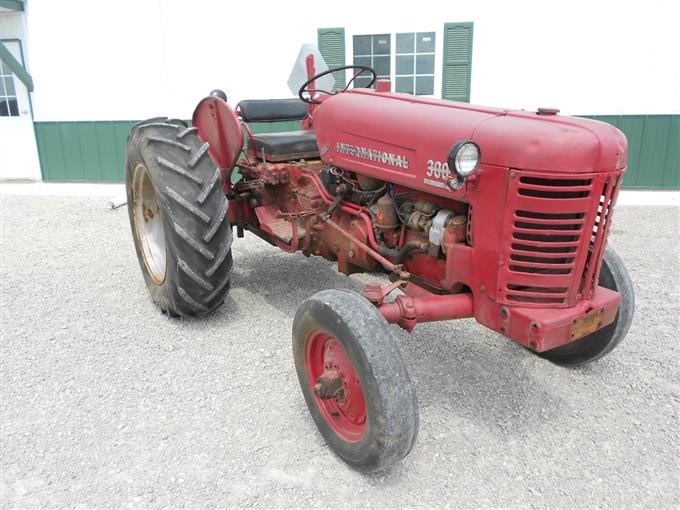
[8, 100]
[438, 52]
[372, 56]
[22, 90]
[415, 54]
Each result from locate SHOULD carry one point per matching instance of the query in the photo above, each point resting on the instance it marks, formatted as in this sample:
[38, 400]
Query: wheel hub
[328, 385]
[336, 385]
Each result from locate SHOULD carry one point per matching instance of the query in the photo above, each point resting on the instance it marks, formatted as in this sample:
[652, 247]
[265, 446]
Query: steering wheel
[311, 92]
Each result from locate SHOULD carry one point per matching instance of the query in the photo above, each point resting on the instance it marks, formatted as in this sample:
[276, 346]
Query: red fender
[218, 125]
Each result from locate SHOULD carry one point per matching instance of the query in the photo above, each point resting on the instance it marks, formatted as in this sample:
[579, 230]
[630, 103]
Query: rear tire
[614, 276]
[371, 422]
[177, 211]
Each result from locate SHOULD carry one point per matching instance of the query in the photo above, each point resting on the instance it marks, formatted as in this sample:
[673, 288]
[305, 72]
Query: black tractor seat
[279, 146]
[286, 145]
[272, 110]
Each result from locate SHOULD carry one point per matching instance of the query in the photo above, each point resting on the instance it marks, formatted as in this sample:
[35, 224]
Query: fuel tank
[406, 139]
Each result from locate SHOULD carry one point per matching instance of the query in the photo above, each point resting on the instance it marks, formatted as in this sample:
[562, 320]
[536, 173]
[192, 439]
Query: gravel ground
[108, 403]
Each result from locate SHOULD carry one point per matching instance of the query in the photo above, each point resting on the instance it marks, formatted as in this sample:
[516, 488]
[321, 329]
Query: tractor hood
[394, 135]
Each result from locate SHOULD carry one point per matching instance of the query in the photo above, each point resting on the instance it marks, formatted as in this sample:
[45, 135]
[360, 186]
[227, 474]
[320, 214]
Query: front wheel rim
[345, 413]
[149, 223]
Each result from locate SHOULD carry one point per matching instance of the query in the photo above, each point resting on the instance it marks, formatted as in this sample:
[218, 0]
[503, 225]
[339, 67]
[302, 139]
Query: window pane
[404, 84]
[3, 92]
[13, 106]
[362, 44]
[405, 43]
[425, 64]
[4, 109]
[425, 42]
[382, 66]
[404, 64]
[424, 85]
[381, 44]
[2, 69]
[9, 86]
[362, 61]
[361, 82]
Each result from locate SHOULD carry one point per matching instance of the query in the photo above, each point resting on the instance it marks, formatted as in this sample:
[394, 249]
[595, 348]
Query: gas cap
[548, 111]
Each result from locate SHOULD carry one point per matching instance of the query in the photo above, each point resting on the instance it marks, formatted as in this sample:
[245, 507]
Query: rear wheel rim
[149, 223]
[345, 413]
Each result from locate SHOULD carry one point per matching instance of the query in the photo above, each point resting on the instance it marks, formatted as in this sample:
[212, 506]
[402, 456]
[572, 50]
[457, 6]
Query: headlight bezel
[454, 162]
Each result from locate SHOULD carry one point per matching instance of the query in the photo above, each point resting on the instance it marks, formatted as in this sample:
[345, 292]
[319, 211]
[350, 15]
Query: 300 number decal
[437, 169]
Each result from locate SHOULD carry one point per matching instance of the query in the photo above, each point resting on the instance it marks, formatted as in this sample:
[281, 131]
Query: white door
[18, 150]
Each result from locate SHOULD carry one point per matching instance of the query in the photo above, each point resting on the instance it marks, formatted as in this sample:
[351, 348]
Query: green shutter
[457, 61]
[12, 5]
[332, 49]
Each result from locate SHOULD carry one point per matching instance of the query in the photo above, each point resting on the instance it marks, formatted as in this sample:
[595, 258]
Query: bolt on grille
[552, 248]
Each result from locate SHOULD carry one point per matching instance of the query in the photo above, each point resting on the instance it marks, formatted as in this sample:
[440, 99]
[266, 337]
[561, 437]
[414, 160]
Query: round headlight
[464, 158]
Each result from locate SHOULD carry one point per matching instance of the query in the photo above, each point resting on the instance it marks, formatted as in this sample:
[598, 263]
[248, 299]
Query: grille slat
[541, 230]
[536, 299]
[541, 265]
[527, 244]
[518, 252]
[572, 206]
[540, 280]
[539, 215]
[561, 259]
[557, 189]
[546, 238]
[548, 221]
[556, 291]
[553, 194]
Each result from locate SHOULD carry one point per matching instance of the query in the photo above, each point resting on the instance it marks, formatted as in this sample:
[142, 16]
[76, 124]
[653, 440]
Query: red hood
[425, 129]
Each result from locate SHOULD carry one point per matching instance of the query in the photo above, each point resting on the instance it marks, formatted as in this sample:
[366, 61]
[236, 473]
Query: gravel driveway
[108, 403]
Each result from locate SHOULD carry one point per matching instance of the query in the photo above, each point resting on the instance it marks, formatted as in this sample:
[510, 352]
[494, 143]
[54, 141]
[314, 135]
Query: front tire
[354, 380]
[614, 276]
[177, 213]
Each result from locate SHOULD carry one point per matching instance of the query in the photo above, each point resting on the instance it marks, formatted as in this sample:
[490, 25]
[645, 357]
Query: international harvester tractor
[470, 211]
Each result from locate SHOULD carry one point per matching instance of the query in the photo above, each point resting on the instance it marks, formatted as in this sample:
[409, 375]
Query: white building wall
[18, 150]
[12, 25]
[131, 59]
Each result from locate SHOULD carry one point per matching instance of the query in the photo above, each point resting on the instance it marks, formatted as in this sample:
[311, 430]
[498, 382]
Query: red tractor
[471, 211]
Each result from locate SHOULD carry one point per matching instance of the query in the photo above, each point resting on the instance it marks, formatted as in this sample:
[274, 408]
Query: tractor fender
[218, 125]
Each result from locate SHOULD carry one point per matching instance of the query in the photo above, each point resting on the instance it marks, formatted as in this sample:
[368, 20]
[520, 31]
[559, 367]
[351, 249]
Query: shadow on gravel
[491, 383]
[285, 280]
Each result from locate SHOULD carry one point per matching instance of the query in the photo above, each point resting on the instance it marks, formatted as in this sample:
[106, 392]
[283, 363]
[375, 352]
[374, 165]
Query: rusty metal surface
[587, 324]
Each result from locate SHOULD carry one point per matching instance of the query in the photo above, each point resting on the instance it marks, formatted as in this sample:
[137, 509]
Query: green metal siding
[653, 149]
[94, 151]
[91, 151]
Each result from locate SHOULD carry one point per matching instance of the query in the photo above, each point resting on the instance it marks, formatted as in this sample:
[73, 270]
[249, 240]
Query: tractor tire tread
[197, 235]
